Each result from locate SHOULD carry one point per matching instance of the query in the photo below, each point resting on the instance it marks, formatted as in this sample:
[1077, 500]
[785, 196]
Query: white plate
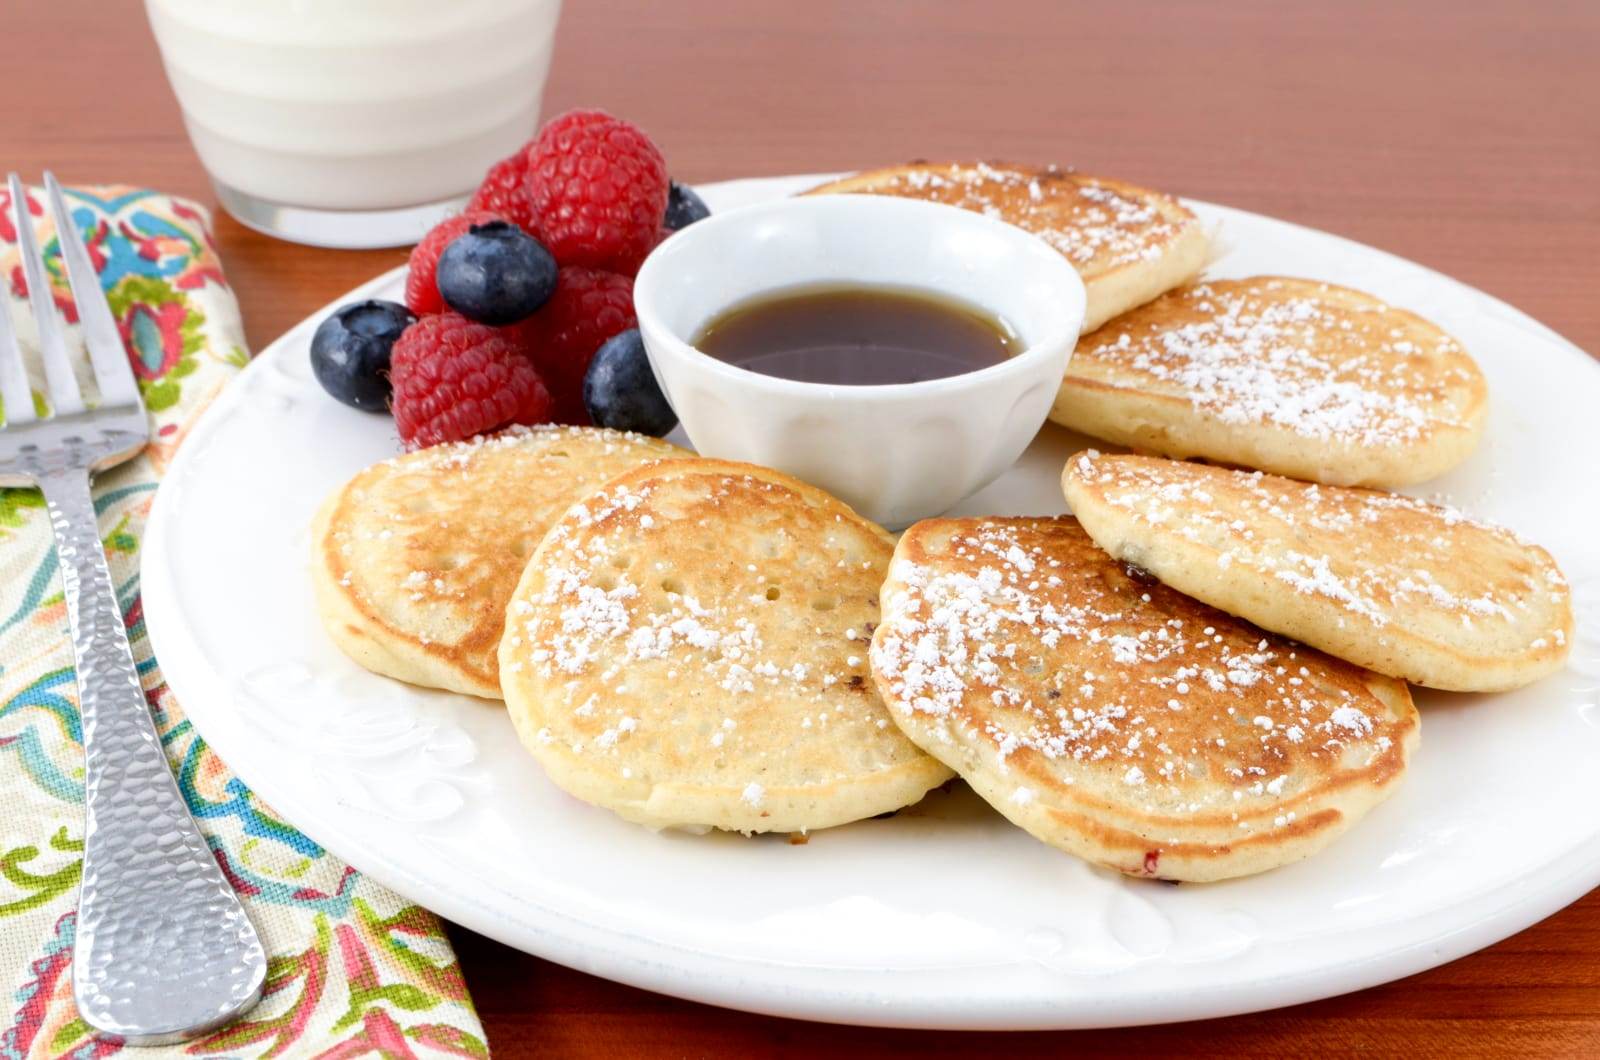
[944, 916]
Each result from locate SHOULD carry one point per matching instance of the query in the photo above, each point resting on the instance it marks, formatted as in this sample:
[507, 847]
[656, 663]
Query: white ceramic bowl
[895, 453]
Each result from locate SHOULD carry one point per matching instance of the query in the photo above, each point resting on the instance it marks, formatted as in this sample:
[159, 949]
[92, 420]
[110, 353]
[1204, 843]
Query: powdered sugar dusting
[1329, 364]
[1069, 657]
[698, 625]
[1380, 557]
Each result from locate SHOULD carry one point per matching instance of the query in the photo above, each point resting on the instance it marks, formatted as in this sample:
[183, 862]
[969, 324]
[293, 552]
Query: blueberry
[620, 391]
[496, 273]
[684, 208]
[350, 351]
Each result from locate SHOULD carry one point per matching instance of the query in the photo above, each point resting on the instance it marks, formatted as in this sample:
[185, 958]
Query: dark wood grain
[1463, 136]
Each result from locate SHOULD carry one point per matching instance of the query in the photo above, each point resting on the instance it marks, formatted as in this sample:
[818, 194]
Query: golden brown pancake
[688, 648]
[1122, 721]
[1407, 588]
[1291, 376]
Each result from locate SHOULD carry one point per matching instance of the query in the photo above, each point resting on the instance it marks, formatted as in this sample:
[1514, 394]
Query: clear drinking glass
[353, 123]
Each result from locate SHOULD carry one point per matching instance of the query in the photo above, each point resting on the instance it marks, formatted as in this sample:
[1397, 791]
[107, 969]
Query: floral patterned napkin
[354, 970]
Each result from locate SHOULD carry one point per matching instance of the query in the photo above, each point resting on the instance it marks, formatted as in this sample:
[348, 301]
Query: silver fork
[164, 950]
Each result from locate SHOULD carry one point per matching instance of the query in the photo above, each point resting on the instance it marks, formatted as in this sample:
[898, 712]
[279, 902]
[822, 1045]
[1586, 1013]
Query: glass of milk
[353, 123]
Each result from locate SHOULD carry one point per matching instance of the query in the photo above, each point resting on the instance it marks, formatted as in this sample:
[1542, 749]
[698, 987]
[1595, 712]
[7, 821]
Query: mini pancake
[1407, 588]
[1290, 376]
[1119, 720]
[687, 648]
[414, 559]
[1128, 243]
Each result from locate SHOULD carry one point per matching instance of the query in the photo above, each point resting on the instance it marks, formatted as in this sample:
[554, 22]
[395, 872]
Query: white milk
[355, 104]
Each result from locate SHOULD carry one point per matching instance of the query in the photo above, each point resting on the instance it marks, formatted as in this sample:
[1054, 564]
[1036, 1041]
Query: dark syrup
[857, 335]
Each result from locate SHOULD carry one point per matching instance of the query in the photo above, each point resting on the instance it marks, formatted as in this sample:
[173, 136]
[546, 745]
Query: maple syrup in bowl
[857, 335]
[899, 354]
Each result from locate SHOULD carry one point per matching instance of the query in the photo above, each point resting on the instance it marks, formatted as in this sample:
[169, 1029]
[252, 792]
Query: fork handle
[164, 949]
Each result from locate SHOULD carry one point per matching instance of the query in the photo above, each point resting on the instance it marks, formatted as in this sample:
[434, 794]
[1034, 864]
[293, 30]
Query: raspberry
[454, 378]
[598, 188]
[504, 191]
[588, 307]
[422, 287]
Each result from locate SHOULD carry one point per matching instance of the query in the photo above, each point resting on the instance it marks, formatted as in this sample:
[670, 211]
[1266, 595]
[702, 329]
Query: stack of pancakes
[1203, 675]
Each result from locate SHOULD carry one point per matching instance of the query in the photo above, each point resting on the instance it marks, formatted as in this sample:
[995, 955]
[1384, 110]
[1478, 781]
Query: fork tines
[112, 373]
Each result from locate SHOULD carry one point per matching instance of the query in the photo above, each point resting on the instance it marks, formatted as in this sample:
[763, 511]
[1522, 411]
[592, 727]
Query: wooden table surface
[1462, 136]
